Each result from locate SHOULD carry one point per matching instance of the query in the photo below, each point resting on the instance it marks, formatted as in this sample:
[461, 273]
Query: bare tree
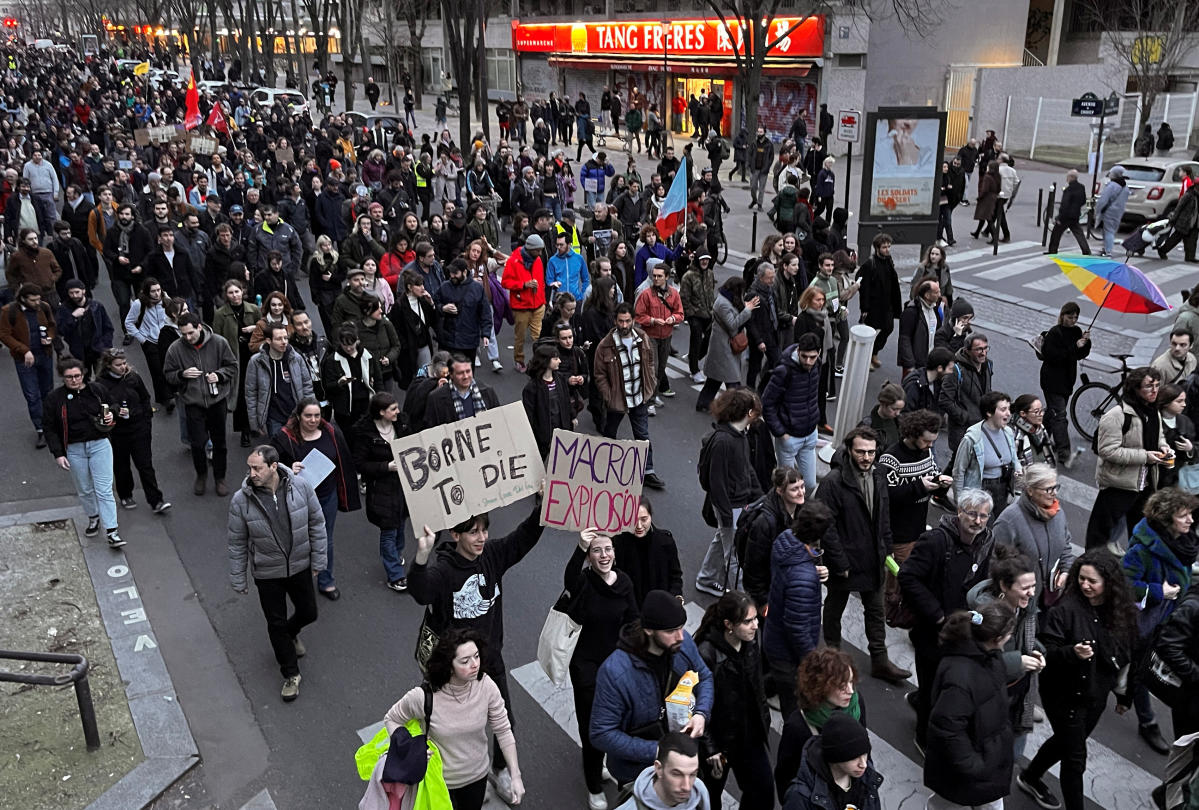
[1151, 37]
[462, 21]
[752, 29]
[415, 14]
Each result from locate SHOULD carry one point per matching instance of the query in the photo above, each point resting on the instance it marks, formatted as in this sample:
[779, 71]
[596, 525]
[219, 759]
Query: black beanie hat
[662, 611]
[843, 739]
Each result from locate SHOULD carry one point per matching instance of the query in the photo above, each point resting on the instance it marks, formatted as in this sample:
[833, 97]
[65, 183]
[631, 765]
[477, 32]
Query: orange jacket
[515, 277]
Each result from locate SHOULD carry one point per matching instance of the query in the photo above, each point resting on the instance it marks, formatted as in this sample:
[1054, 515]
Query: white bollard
[852, 396]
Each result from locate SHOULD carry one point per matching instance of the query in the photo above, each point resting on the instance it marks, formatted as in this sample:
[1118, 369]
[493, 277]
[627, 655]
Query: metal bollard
[1040, 201]
[753, 239]
[851, 399]
[1048, 214]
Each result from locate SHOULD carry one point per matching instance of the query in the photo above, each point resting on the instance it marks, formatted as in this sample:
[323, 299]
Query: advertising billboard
[904, 150]
[681, 37]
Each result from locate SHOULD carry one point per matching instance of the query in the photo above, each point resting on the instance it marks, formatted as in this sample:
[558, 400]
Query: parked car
[1154, 183]
[292, 100]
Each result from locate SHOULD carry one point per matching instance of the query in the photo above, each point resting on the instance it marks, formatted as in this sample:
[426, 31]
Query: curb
[166, 740]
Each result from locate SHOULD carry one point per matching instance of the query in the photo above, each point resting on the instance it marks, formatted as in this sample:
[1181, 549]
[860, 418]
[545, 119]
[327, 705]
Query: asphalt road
[360, 650]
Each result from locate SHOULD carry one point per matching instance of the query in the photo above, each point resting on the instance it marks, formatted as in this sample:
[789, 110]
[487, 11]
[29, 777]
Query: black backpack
[748, 515]
[704, 465]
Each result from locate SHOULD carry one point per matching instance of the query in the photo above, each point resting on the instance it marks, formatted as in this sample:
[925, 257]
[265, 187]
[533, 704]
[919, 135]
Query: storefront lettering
[793, 37]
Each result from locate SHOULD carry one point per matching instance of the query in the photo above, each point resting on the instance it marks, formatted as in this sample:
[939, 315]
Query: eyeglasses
[977, 515]
[1036, 412]
[1052, 490]
[76, 376]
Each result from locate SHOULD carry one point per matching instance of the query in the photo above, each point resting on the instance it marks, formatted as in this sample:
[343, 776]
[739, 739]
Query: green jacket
[632, 119]
[1148, 564]
[698, 292]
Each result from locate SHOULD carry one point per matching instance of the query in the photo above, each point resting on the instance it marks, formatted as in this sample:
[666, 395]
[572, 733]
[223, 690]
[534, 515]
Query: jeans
[872, 616]
[36, 382]
[751, 766]
[204, 424]
[91, 468]
[798, 452]
[1072, 725]
[589, 198]
[757, 185]
[638, 421]
[721, 570]
[46, 209]
[283, 630]
[945, 222]
[525, 320]
[324, 580]
[661, 356]
[697, 344]
[1109, 239]
[1055, 419]
[391, 551]
[136, 448]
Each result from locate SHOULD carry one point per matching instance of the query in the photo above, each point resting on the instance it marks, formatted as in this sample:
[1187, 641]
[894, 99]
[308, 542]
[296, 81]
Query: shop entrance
[684, 87]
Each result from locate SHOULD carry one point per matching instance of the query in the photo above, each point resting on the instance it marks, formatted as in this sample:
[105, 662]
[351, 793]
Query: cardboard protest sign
[199, 144]
[593, 483]
[468, 467]
[141, 137]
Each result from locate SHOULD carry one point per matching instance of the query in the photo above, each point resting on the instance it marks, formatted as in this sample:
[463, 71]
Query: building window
[851, 60]
[431, 65]
[501, 70]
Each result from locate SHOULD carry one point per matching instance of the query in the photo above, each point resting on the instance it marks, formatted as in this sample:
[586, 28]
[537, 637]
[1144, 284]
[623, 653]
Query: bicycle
[1093, 399]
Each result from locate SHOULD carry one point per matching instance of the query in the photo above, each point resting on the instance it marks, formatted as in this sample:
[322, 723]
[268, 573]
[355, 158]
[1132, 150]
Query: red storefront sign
[705, 37]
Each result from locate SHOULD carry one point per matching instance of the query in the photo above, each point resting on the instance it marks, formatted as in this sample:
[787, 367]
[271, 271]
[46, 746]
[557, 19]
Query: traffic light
[10, 22]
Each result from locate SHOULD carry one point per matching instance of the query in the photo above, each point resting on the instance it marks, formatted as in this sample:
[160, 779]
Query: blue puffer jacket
[592, 170]
[794, 627]
[473, 321]
[790, 403]
[571, 272]
[627, 698]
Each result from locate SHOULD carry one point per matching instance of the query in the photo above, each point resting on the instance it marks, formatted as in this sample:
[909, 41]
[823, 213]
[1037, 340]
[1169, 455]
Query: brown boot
[884, 670]
[874, 362]
[221, 489]
[201, 483]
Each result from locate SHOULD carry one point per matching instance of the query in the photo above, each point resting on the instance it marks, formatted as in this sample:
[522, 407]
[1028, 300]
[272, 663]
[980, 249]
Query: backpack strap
[428, 690]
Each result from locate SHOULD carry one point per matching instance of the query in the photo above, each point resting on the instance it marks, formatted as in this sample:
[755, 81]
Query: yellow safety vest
[574, 237]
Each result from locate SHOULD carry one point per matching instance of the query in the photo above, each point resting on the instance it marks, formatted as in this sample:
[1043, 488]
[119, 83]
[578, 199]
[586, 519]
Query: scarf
[817, 717]
[821, 317]
[475, 396]
[123, 239]
[1037, 436]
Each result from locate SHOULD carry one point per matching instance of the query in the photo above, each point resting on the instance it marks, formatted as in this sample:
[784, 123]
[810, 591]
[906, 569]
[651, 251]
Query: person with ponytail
[1088, 638]
[1014, 583]
[740, 728]
[970, 760]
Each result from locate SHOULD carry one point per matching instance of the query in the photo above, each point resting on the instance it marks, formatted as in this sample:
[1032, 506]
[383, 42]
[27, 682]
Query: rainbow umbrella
[1112, 284]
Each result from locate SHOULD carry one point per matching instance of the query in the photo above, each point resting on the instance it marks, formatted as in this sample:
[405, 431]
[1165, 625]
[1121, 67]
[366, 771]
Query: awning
[679, 66]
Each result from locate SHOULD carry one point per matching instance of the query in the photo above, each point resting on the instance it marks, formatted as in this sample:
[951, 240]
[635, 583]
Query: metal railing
[77, 676]
[1031, 59]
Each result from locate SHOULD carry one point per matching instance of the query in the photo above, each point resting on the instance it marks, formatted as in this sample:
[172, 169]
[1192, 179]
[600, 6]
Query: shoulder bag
[558, 639]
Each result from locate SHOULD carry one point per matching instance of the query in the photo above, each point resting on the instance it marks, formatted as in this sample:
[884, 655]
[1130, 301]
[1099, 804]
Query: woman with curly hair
[827, 685]
[1158, 563]
[466, 703]
[1088, 638]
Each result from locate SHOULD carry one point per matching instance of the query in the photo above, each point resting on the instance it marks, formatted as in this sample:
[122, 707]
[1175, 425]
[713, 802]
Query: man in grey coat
[277, 378]
[277, 530]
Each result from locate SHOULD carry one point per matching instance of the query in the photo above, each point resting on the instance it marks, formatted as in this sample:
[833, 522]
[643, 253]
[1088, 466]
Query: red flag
[216, 119]
[193, 117]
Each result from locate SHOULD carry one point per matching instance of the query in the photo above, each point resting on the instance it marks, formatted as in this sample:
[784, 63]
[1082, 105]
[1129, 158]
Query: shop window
[851, 60]
[501, 70]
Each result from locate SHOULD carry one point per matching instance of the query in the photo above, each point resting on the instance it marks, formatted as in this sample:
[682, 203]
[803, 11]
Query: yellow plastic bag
[370, 753]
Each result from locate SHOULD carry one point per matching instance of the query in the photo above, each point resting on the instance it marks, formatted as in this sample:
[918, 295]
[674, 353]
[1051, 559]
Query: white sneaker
[652, 410]
[478, 362]
[496, 365]
[659, 401]
[597, 801]
[698, 378]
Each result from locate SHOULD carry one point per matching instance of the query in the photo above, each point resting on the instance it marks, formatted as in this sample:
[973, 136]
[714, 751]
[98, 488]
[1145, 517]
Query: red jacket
[515, 276]
[650, 305]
